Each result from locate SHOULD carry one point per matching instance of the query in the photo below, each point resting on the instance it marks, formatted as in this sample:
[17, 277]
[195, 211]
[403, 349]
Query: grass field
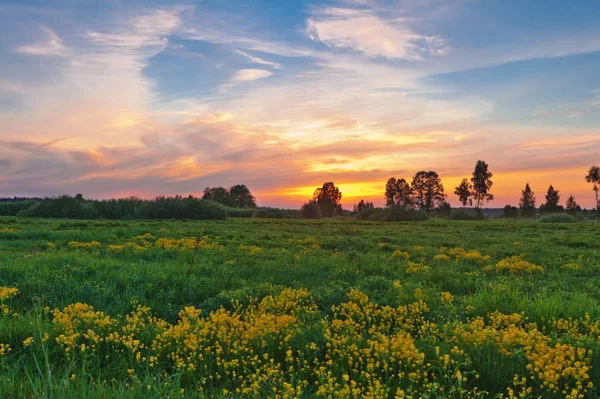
[295, 308]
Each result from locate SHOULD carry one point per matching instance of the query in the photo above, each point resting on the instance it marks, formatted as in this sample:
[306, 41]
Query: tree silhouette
[390, 192]
[593, 176]
[527, 202]
[482, 183]
[428, 190]
[217, 194]
[328, 197]
[552, 199]
[463, 191]
[311, 210]
[511, 211]
[241, 197]
[398, 193]
[362, 205]
[571, 206]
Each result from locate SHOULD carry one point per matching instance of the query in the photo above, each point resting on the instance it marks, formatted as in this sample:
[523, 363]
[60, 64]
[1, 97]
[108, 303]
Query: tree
[362, 205]
[390, 192]
[428, 190]
[398, 193]
[511, 211]
[593, 176]
[311, 210]
[217, 194]
[241, 197]
[463, 191]
[328, 197]
[571, 206]
[482, 183]
[527, 202]
[552, 199]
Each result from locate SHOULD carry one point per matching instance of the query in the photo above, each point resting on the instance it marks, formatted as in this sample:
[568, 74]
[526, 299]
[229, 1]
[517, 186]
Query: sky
[119, 98]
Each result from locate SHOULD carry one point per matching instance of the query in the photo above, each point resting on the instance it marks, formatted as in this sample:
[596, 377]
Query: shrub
[121, 208]
[511, 212]
[462, 214]
[375, 214]
[64, 206]
[240, 212]
[12, 208]
[444, 210]
[392, 214]
[557, 218]
[311, 210]
[399, 214]
[126, 208]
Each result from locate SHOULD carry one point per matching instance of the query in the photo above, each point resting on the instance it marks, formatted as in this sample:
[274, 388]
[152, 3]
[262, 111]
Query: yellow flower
[447, 298]
[27, 342]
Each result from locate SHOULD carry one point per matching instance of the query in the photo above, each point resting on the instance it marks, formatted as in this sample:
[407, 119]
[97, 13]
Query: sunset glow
[157, 98]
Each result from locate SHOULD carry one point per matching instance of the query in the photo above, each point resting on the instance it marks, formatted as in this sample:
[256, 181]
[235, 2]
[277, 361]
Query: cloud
[143, 31]
[258, 60]
[246, 75]
[364, 31]
[51, 45]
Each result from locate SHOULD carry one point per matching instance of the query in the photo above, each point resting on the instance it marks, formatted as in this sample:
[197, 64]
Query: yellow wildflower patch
[398, 254]
[517, 265]
[416, 268]
[84, 245]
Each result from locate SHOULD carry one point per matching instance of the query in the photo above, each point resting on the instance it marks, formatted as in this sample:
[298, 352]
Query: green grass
[326, 257]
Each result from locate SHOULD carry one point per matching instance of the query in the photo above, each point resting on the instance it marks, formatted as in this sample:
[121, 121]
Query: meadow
[299, 309]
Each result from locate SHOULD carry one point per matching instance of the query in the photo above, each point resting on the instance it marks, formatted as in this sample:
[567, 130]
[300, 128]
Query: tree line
[425, 193]
[423, 196]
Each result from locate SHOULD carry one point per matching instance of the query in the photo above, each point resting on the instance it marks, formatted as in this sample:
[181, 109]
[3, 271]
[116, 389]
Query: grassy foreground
[294, 308]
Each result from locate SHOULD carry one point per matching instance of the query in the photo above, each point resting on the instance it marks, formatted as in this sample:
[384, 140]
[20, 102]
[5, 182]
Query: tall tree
[217, 194]
[552, 199]
[593, 176]
[390, 191]
[328, 197]
[527, 202]
[463, 191]
[482, 183]
[571, 206]
[428, 190]
[398, 193]
[241, 197]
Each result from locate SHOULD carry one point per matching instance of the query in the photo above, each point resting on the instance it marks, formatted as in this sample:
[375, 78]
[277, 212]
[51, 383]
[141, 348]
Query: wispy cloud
[364, 31]
[258, 60]
[50, 45]
[246, 75]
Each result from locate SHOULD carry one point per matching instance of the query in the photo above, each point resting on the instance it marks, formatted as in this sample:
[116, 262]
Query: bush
[240, 212]
[311, 210]
[463, 214]
[126, 208]
[557, 218]
[371, 214]
[527, 212]
[399, 214]
[275, 213]
[392, 214]
[183, 208]
[511, 212]
[12, 208]
[64, 206]
[443, 211]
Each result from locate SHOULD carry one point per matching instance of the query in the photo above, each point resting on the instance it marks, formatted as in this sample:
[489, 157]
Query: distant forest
[422, 198]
